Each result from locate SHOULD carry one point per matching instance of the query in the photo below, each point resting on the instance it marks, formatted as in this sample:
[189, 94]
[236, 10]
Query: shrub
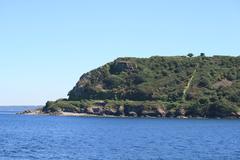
[113, 81]
[203, 83]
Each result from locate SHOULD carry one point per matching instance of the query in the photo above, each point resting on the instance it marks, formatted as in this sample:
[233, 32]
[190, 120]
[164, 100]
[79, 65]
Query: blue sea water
[77, 138]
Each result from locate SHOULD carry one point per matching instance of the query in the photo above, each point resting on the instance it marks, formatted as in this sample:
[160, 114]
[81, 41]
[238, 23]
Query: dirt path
[189, 83]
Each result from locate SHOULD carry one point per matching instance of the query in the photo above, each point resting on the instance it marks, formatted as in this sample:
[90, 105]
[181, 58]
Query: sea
[25, 137]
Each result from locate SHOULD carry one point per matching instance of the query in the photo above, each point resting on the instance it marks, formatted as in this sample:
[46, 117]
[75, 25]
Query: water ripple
[75, 138]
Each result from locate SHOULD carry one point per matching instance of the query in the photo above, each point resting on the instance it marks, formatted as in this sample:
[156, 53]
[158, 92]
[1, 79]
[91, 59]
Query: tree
[190, 55]
[202, 54]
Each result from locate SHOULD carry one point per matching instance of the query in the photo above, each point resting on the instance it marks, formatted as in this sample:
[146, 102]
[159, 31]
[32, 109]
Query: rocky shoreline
[39, 112]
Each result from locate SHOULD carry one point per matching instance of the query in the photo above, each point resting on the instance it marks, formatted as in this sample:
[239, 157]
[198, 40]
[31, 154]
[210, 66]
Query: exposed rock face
[136, 110]
[161, 112]
[122, 66]
[180, 112]
[100, 110]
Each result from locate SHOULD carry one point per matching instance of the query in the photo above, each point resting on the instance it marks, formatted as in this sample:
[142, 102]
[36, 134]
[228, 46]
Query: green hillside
[158, 86]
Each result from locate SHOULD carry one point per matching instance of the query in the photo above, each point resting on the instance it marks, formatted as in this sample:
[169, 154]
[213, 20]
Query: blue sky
[46, 45]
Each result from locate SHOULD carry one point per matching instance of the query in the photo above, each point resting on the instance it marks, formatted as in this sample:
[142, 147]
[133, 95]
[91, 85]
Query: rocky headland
[180, 86]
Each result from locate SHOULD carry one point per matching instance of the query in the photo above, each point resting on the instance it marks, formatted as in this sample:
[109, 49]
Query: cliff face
[199, 86]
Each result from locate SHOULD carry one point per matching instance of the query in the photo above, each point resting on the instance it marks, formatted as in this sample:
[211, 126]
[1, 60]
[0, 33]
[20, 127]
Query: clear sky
[46, 45]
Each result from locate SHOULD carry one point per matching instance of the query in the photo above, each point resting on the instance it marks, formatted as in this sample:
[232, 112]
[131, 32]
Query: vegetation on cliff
[158, 86]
